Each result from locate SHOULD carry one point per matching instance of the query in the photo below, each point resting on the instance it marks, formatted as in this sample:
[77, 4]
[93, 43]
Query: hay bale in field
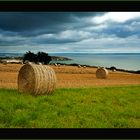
[36, 79]
[101, 73]
[55, 64]
[28, 62]
[113, 70]
[39, 63]
[21, 63]
[79, 66]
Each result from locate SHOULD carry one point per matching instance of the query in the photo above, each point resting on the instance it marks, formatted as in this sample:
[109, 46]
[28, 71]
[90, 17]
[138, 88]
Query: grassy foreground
[105, 107]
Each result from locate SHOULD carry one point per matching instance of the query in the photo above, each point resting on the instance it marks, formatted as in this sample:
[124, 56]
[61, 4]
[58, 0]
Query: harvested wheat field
[71, 77]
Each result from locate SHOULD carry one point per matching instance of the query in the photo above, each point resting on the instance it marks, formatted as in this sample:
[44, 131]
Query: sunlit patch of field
[71, 77]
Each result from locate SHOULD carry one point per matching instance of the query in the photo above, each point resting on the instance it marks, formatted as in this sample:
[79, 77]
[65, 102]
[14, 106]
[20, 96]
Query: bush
[113, 68]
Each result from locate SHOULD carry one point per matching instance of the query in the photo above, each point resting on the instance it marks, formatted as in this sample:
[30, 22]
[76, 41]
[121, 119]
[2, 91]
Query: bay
[127, 61]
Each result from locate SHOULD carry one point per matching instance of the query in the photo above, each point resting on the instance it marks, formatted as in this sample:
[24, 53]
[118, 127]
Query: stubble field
[71, 77]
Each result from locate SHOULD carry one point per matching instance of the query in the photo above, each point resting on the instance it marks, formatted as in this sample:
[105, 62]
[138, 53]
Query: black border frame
[63, 6]
[67, 6]
[64, 133]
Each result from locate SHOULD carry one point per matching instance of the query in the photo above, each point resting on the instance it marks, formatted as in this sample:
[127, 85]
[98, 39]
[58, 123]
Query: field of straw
[71, 77]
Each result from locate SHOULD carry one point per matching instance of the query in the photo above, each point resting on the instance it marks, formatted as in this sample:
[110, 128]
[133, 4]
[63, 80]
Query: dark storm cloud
[68, 31]
[28, 23]
[9, 43]
[33, 24]
[13, 40]
[55, 41]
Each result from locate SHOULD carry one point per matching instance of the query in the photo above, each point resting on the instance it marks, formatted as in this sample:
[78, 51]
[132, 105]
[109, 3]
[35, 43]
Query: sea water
[127, 61]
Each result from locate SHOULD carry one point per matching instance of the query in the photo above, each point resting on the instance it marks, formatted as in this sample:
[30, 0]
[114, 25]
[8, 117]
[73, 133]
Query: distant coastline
[58, 59]
[128, 62]
[109, 68]
[12, 59]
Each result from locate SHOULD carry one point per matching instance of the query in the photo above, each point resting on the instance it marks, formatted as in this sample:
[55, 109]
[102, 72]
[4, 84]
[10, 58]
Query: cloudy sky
[93, 32]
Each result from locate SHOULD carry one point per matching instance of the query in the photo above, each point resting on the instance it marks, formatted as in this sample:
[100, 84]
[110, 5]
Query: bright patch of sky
[91, 32]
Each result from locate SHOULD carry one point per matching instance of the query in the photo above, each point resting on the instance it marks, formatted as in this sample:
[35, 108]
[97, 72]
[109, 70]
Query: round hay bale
[36, 79]
[79, 66]
[101, 73]
[55, 64]
[39, 63]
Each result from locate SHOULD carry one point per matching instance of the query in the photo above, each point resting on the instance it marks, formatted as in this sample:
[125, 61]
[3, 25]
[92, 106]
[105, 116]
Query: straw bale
[102, 73]
[36, 79]
[55, 64]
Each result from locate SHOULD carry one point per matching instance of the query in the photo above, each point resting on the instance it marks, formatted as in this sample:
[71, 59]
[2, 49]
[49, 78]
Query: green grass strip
[100, 107]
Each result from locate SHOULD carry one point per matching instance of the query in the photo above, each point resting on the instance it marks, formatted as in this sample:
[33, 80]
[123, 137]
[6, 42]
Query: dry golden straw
[36, 79]
[101, 73]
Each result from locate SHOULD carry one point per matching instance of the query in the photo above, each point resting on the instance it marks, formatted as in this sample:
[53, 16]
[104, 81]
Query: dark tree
[39, 57]
[43, 57]
[113, 68]
[30, 57]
